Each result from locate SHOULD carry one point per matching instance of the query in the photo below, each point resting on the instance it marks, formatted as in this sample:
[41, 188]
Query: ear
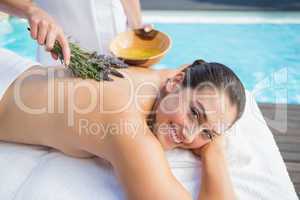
[173, 84]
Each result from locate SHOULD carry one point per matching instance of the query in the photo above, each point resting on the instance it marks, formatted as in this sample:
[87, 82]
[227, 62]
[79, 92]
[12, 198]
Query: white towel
[256, 167]
[11, 66]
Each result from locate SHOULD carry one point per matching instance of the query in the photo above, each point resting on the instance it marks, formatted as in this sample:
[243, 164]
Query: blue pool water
[266, 57]
[14, 36]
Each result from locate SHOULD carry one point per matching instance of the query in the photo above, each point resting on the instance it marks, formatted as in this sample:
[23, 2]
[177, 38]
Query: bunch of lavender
[91, 65]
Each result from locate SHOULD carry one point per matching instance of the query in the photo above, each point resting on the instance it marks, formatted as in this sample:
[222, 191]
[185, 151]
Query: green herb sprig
[91, 65]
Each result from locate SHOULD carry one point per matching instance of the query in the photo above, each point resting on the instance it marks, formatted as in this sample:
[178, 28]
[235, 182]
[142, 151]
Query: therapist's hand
[147, 27]
[46, 31]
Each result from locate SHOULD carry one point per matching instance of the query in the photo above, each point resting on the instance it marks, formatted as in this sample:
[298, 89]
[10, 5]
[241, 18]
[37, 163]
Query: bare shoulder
[139, 162]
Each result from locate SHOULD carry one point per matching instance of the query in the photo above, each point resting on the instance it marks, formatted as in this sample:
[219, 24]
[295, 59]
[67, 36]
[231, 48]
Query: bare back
[48, 106]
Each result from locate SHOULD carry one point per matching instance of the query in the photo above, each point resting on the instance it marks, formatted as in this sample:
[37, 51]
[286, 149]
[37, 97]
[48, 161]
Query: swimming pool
[266, 57]
[14, 36]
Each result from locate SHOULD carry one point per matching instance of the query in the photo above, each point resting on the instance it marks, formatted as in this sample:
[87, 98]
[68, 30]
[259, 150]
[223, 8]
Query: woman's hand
[132, 10]
[216, 182]
[217, 145]
[43, 28]
[46, 31]
[147, 27]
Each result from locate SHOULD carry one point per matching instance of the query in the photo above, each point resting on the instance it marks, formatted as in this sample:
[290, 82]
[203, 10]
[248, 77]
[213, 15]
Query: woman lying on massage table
[130, 121]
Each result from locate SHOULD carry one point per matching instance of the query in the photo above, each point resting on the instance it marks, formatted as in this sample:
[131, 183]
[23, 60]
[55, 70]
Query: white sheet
[31, 172]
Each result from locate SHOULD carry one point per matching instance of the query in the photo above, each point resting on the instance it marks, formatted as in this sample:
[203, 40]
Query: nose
[189, 135]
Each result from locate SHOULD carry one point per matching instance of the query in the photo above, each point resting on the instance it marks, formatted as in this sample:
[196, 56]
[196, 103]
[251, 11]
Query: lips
[174, 136]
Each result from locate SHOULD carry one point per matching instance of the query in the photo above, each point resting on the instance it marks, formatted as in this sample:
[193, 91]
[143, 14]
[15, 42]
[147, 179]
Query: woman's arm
[132, 9]
[216, 183]
[43, 27]
[141, 166]
[18, 8]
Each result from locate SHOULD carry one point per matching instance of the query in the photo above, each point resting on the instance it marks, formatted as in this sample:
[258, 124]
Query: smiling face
[188, 118]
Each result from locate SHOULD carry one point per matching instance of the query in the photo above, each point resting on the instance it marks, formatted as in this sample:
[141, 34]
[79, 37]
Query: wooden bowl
[141, 48]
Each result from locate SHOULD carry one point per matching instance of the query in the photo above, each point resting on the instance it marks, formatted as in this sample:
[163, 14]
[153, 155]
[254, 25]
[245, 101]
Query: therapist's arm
[216, 183]
[15, 7]
[43, 27]
[133, 12]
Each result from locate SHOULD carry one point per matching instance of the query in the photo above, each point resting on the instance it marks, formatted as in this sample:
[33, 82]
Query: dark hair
[221, 77]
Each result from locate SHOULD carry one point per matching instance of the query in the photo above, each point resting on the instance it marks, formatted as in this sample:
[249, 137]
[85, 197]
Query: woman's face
[188, 118]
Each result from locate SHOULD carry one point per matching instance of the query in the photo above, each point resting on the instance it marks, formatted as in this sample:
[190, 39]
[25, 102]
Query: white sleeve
[11, 66]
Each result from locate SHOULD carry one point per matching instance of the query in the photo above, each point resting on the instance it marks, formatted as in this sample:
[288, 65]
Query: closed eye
[197, 114]
[208, 134]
